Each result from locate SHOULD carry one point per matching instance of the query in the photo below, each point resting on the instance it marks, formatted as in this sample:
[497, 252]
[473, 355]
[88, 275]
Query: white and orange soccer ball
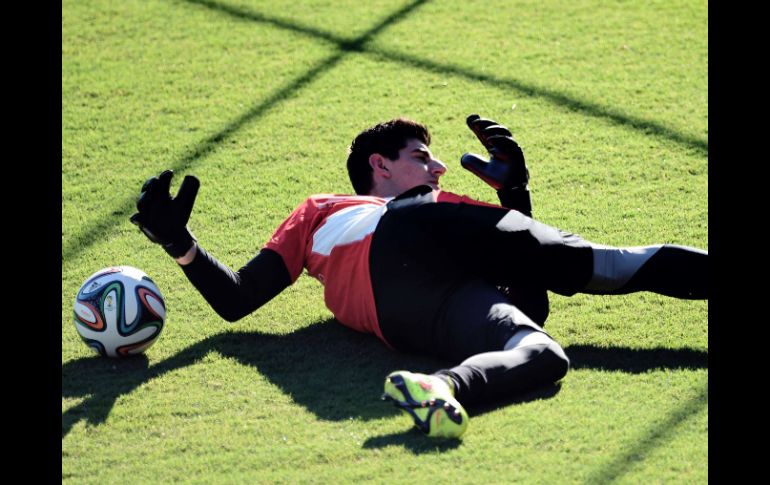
[119, 311]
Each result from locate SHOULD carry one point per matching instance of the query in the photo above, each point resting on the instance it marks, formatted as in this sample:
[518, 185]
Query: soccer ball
[119, 311]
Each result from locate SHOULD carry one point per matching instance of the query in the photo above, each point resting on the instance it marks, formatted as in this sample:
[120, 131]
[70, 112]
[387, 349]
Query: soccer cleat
[429, 401]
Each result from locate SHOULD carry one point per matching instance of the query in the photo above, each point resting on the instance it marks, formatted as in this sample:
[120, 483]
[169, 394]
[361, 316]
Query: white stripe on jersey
[347, 226]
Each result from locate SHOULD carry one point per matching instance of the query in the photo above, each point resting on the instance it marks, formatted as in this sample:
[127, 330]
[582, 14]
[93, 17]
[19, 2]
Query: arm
[233, 295]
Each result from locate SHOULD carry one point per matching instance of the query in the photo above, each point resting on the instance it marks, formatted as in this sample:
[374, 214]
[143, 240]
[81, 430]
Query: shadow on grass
[554, 97]
[544, 392]
[77, 243]
[653, 438]
[414, 441]
[635, 361]
[325, 367]
[333, 371]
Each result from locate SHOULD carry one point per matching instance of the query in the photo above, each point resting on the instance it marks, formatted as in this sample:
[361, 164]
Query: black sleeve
[233, 295]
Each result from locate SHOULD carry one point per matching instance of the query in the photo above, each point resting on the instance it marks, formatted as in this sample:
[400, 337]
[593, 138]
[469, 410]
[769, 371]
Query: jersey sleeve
[291, 238]
[460, 199]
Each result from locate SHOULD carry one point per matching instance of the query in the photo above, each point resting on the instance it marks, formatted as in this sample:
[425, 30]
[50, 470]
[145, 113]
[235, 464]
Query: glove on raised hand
[505, 168]
[163, 219]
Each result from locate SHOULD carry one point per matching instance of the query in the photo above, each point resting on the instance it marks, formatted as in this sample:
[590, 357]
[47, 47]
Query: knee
[533, 302]
[556, 363]
[546, 359]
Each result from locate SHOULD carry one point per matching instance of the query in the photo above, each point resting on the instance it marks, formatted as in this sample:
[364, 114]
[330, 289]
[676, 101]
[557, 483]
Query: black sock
[675, 271]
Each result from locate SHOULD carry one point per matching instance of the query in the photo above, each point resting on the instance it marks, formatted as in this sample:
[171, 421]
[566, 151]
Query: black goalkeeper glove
[163, 219]
[505, 168]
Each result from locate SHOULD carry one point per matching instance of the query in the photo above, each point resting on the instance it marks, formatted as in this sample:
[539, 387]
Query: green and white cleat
[429, 400]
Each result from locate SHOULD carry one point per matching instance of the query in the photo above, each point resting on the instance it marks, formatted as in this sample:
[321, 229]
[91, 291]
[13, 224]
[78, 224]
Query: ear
[379, 166]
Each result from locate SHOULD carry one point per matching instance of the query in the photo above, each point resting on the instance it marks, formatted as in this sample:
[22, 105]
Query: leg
[529, 360]
[530, 299]
[503, 352]
[504, 247]
[676, 271]
[509, 249]
[432, 305]
[429, 249]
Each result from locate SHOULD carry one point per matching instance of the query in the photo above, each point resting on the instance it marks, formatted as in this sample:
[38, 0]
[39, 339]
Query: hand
[506, 167]
[163, 219]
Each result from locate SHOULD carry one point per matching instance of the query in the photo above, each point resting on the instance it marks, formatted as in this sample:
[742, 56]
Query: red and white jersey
[330, 236]
[441, 196]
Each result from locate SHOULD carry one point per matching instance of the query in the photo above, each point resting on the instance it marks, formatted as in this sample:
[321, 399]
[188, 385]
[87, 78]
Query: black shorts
[435, 270]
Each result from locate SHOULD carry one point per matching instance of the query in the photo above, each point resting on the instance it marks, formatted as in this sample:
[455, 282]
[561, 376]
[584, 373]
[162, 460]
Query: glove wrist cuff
[179, 246]
[516, 198]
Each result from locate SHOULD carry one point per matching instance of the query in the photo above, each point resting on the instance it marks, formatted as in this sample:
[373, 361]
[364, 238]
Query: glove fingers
[480, 123]
[481, 167]
[473, 119]
[140, 221]
[153, 189]
[149, 183]
[472, 161]
[504, 144]
[479, 126]
[185, 198]
[496, 130]
[164, 182]
[147, 197]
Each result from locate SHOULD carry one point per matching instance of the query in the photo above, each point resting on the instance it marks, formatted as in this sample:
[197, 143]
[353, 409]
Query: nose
[438, 168]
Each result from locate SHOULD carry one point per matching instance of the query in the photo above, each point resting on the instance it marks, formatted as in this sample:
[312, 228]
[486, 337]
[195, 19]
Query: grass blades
[260, 100]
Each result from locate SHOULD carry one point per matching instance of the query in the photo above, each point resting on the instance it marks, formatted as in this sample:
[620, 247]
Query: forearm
[234, 295]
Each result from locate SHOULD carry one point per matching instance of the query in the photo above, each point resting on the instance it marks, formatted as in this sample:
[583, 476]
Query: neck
[384, 194]
[383, 190]
[380, 193]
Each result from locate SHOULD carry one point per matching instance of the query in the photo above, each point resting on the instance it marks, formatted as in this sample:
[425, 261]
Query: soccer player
[428, 271]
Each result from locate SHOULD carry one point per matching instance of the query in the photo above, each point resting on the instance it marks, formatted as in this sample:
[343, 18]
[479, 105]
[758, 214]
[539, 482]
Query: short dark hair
[385, 138]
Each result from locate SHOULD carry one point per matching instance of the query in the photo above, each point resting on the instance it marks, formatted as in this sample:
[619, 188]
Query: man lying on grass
[428, 271]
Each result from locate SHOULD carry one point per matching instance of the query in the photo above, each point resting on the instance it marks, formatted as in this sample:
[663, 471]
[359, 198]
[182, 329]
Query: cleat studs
[446, 405]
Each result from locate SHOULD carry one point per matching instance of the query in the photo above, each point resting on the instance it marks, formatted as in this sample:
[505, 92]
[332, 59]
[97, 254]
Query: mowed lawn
[260, 100]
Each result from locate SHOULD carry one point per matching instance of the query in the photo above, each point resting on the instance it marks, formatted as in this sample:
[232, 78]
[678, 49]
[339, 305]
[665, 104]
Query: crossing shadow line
[554, 97]
[654, 438]
[95, 230]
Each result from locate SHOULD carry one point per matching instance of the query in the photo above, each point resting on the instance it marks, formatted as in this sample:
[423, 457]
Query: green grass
[260, 100]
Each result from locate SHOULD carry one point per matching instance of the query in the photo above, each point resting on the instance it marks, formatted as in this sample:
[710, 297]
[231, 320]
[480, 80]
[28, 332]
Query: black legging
[436, 267]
